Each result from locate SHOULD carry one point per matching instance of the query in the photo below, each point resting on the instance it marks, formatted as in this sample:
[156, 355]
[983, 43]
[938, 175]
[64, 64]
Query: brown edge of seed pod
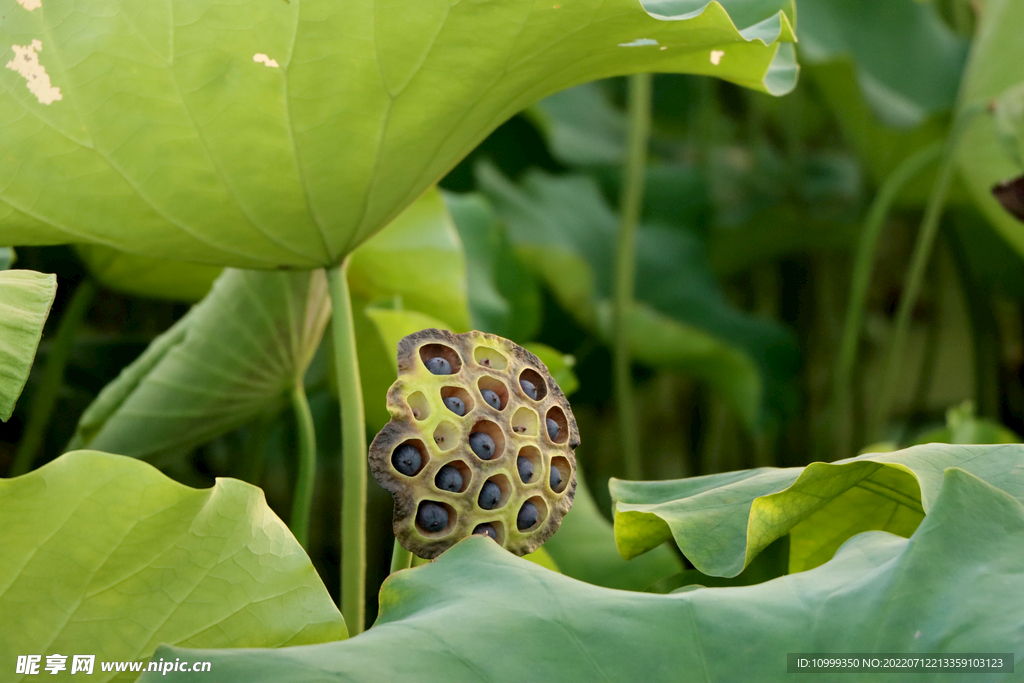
[401, 428]
[386, 441]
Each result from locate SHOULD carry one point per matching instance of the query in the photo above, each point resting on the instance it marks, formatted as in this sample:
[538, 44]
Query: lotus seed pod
[496, 439]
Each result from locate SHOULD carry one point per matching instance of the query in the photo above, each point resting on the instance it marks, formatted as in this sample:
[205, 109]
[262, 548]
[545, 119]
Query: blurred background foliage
[753, 212]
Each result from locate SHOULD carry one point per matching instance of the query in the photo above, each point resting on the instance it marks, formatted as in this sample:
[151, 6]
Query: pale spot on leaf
[31, 4]
[716, 56]
[261, 58]
[26, 63]
[639, 42]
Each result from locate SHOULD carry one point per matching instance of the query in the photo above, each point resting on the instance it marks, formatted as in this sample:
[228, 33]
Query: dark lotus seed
[553, 429]
[525, 469]
[432, 517]
[528, 388]
[455, 404]
[407, 459]
[490, 495]
[492, 399]
[555, 479]
[527, 516]
[439, 366]
[482, 444]
[449, 479]
[486, 530]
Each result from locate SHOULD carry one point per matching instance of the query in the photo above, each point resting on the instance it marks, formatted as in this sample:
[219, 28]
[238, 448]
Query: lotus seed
[482, 444]
[528, 388]
[490, 495]
[407, 459]
[449, 479]
[492, 399]
[455, 404]
[553, 429]
[432, 517]
[555, 479]
[527, 516]
[439, 366]
[525, 469]
[486, 530]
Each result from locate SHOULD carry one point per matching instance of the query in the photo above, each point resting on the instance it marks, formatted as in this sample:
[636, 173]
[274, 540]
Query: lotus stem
[302, 501]
[625, 267]
[907, 170]
[400, 558]
[45, 398]
[353, 453]
[915, 276]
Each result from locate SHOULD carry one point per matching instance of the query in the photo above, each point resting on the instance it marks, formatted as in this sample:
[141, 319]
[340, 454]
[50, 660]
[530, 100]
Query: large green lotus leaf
[25, 300]
[504, 298]
[105, 555]
[566, 232]
[417, 256]
[260, 134]
[997, 65]
[480, 614]
[908, 61]
[722, 521]
[235, 355]
[146, 276]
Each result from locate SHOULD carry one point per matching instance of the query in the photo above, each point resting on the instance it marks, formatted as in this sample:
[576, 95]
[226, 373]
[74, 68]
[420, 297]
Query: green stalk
[984, 330]
[915, 276]
[45, 398]
[929, 354]
[353, 453]
[400, 558]
[625, 267]
[302, 501]
[908, 169]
